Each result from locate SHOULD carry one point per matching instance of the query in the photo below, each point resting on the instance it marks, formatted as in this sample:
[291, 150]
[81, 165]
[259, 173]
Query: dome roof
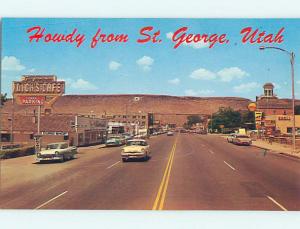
[268, 85]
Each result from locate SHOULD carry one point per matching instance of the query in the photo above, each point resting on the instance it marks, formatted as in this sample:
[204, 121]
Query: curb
[277, 152]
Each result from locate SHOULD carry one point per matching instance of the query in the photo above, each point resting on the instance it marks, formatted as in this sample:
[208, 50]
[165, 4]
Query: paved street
[186, 172]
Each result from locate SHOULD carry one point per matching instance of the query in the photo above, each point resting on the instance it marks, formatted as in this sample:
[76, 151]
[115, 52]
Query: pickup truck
[60, 151]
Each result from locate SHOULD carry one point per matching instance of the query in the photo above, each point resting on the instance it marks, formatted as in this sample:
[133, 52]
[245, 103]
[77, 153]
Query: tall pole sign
[40, 91]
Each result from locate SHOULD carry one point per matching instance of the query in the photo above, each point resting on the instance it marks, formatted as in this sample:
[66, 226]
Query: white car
[136, 148]
[230, 138]
[241, 139]
[57, 151]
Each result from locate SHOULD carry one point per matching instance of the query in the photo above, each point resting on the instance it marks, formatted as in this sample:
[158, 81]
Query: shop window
[66, 137]
[31, 136]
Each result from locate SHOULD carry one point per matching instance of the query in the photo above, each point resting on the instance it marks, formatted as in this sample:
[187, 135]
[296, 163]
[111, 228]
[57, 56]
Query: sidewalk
[276, 148]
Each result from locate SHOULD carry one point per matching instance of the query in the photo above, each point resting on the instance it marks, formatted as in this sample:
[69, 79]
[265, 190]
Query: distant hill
[171, 109]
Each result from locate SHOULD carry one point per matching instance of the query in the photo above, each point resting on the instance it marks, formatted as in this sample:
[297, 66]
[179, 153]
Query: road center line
[278, 204]
[230, 166]
[113, 164]
[212, 152]
[54, 198]
[160, 197]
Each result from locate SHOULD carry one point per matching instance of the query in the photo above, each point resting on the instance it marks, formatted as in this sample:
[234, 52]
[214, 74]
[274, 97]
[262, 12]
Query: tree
[3, 98]
[193, 120]
[248, 120]
[226, 117]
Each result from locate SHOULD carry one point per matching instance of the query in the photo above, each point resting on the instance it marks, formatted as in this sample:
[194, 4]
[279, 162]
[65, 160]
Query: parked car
[115, 142]
[240, 139]
[60, 151]
[170, 133]
[136, 148]
[230, 137]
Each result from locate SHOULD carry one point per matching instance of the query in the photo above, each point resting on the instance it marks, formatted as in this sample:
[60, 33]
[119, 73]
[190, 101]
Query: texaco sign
[37, 90]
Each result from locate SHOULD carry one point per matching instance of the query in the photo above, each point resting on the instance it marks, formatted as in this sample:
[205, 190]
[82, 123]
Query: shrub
[20, 152]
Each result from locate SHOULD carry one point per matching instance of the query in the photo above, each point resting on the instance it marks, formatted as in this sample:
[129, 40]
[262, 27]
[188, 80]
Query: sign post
[37, 90]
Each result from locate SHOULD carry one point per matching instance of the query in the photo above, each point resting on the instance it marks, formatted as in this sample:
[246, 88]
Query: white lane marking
[212, 152]
[278, 204]
[113, 164]
[230, 166]
[42, 205]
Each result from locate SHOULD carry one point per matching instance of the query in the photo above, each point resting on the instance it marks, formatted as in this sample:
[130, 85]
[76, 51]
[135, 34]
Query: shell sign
[252, 106]
[36, 90]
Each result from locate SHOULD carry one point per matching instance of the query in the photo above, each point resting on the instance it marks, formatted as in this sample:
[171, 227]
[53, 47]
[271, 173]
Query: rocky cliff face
[169, 109]
[161, 104]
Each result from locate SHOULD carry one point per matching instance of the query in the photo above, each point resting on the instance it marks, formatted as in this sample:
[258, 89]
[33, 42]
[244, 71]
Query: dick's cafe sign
[37, 90]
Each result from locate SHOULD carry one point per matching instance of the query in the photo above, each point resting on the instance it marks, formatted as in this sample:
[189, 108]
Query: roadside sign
[32, 100]
[258, 116]
[252, 106]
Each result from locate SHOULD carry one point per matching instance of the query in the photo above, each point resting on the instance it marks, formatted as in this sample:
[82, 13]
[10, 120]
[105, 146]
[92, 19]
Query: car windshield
[53, 146]
[136, 143]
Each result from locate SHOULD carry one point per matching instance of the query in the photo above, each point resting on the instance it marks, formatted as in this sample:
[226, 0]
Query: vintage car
[170, 133]
[230, 137]
[136, 148]
[241, 139]
[60, 151]
[115, 142]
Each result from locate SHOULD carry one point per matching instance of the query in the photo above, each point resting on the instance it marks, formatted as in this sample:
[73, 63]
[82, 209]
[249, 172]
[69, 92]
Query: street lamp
[292, 61]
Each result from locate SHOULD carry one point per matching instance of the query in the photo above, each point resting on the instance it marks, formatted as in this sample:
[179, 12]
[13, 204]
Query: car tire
[124, 159]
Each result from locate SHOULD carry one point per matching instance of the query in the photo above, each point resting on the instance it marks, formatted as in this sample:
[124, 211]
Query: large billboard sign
[37, 90]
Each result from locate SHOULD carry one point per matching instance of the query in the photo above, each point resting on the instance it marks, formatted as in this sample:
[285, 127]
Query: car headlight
[38, 154]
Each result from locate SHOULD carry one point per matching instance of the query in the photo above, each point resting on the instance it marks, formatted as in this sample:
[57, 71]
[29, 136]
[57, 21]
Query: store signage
[284, 118]
[258, 116]
[37, 90]
[252, 106]
[39, 85]
[32, 100]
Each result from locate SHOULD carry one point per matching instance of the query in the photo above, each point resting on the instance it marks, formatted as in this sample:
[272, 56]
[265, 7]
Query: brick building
[75, 129]
[270, 104]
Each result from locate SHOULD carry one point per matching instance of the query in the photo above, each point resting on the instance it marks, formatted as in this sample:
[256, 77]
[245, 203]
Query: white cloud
[11, 63]
[174, 81]
[145, 63]
[203, 74]
[190, 92]
[224, 75]
[113, 65]
[79, 84]
[228, 74]
[195, 45]
[206, 92]
[32, 70]
[246, 87]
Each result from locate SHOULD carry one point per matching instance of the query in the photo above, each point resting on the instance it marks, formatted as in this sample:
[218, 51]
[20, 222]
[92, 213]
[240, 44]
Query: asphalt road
[186, 172]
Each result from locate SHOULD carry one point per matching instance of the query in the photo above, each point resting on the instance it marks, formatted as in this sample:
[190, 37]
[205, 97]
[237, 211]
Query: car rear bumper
[133, 155]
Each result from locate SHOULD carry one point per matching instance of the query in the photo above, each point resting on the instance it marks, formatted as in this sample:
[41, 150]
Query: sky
[194, 69]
